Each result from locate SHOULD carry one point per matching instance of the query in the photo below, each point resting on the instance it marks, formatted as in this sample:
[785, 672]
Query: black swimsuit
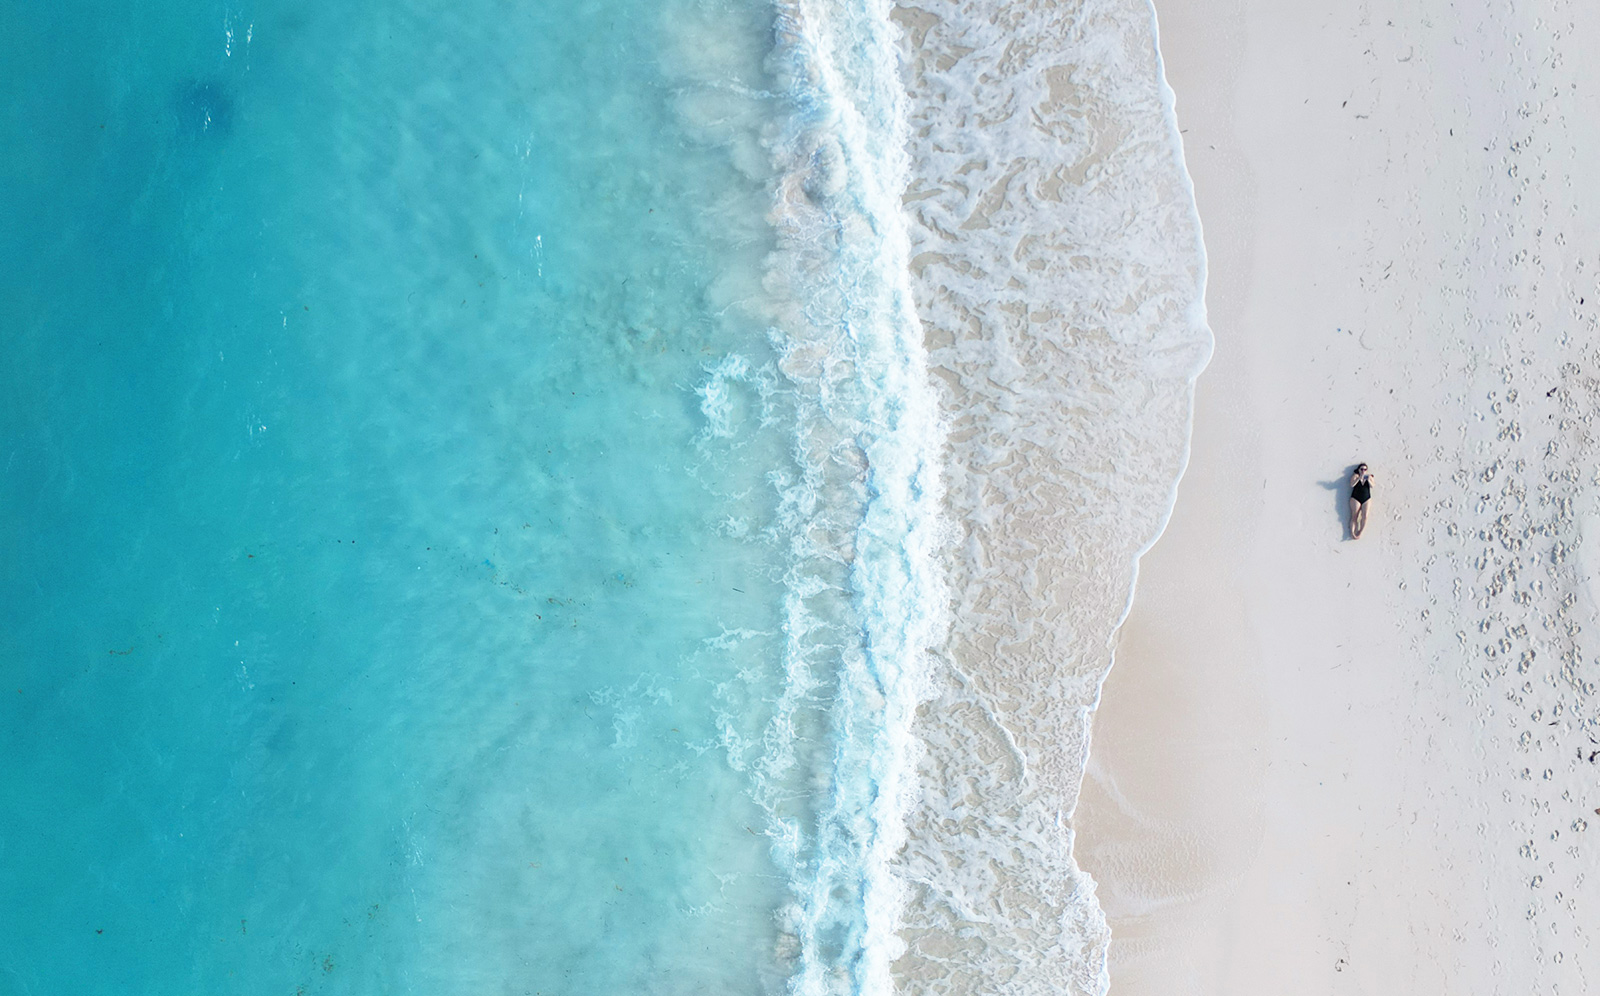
[1361, 491]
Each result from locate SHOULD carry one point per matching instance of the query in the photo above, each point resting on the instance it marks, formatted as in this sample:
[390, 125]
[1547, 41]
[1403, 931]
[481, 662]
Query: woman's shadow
[1341, 497]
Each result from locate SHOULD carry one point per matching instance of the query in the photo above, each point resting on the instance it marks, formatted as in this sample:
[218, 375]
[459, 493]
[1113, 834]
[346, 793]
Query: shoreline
[1314, 762]
[1056, 266]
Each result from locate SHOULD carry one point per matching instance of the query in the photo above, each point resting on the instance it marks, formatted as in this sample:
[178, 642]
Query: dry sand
[1325, 766]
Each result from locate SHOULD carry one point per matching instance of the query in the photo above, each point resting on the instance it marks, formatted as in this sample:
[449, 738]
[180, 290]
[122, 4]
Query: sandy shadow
[1340, 487]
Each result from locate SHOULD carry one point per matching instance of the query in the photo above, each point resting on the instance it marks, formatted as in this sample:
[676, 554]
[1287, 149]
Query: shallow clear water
[368, 560]
[473, 514]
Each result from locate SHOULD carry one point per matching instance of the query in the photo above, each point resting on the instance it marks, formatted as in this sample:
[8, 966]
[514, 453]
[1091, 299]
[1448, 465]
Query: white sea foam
[857, 495]
[1059, 273]
[866, 600]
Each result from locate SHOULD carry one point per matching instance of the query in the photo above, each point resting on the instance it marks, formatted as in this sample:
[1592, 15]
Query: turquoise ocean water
[464, 497]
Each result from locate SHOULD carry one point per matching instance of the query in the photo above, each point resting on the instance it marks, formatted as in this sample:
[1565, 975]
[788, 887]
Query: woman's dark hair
[1360, 467]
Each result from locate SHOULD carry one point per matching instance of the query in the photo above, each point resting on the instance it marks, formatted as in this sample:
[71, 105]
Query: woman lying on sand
[1360, 495]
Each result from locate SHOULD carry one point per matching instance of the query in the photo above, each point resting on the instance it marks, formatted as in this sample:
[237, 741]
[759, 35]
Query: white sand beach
[1333, 766]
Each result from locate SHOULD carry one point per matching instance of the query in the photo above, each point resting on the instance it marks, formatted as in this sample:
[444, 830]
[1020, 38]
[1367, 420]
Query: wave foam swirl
[1058, 271]
[859, 503]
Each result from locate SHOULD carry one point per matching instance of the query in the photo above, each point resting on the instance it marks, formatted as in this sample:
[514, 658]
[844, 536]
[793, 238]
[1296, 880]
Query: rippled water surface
[369, 575]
